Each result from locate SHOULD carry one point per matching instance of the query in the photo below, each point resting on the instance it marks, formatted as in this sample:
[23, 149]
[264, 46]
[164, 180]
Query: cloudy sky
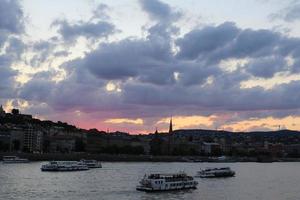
[131, 64]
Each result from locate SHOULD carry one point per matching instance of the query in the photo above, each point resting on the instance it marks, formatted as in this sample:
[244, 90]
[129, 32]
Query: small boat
[14, 159]
[64, 166]
[92, 163]
[166, 182]
[215, 172]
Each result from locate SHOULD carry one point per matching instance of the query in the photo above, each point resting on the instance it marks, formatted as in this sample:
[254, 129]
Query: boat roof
[61, 161]
[164, 175]
[217, 168]
[9, 156]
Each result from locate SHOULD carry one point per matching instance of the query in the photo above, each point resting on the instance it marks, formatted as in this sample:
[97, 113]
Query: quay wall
[138, 158]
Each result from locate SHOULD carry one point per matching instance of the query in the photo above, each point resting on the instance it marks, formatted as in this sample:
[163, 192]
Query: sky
[130, 65]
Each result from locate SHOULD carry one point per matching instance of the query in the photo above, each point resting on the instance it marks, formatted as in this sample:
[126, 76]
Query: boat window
[9, 157]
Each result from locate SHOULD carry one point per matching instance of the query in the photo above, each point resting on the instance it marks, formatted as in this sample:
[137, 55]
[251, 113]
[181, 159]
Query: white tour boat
[166, 182]
[92, 163]
[215, 172]
[64, 166]
[14, 159]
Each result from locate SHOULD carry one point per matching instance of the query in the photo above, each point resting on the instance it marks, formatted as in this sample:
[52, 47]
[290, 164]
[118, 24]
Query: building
[26, 138]
[32, 140]
[292, 150]
[16, 139]
[4, 139]
[211, 148]
[62, 144]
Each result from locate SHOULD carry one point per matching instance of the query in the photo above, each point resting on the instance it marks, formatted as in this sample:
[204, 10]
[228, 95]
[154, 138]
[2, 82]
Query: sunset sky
[130, 65]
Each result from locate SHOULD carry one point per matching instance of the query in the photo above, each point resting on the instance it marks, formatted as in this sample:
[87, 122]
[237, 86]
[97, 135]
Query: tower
[171, 126]
[169, 136]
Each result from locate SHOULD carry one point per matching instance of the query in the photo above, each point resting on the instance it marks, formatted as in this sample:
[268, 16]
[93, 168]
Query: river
[117, 180]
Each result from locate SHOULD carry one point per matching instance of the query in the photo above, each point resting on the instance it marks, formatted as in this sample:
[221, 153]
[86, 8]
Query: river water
[263, 181]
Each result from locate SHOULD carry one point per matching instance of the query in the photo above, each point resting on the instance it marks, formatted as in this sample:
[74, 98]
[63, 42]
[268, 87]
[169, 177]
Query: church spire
[171, 126]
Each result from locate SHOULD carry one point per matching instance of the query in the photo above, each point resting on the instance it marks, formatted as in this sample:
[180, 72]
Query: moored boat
[92, 163]
[215, 172]
[14, 159]
[166, 182]
[64, 166]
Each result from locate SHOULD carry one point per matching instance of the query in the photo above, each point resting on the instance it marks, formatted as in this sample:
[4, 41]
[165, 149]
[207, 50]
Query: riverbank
[143, 158]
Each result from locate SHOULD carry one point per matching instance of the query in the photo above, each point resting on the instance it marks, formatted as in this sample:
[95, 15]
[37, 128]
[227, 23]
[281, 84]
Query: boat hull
[93, 167]
[147, 189]
[217, 175]
[92, 163]
[15, 161]
[63, 169]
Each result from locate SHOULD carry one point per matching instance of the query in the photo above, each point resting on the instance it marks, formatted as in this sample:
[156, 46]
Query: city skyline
[131, 65]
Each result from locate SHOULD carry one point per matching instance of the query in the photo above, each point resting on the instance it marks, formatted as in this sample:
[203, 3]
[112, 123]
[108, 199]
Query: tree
[156, 146]
[79, 145]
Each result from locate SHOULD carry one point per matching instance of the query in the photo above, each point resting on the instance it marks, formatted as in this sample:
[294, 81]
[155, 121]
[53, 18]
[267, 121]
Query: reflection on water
[118, 180]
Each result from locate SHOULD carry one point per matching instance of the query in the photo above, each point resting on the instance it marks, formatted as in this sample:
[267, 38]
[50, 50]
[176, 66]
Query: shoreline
[142, 158]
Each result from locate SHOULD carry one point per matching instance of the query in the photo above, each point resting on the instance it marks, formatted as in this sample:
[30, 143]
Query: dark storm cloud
[155, 80]
[11, 16]
[11, 27]
[37, 89]
[267, 67]
[266, 49]
[196, 73]
[254, 43]
[145, 70]
[127, 58]
[289, 46]
[11, 20]
[42, 51]
[15, 48]
[98, 26]
[164, 16]
[146, 59]
[206, 40]
[7, 77]
[159, 10]
[90, 30]
[227, 41]
[217, 96]
[296, 66]
[3, 37]
[80, 90]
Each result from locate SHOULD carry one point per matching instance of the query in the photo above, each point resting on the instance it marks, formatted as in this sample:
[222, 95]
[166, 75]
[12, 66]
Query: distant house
[292, 150]
[61, 144]
[211, 148]
[26, 138]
